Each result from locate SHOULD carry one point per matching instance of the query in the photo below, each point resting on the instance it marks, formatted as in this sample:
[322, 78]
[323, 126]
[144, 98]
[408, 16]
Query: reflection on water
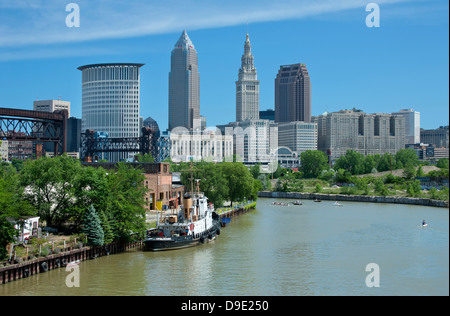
[312, 249]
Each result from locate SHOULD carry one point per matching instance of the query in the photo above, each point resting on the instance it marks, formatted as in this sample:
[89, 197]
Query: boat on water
[424, 224]
[195, 223]
[317, 200]
[338, 204]
[281, 203]
[297, 202]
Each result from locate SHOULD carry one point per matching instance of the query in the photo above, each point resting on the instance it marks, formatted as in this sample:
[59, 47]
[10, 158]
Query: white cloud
[40, 22]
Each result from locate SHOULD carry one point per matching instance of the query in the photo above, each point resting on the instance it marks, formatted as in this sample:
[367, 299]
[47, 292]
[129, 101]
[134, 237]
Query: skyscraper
[247, 87]
[184, 85]
[110, 101]
[293, 94]
[412, 125]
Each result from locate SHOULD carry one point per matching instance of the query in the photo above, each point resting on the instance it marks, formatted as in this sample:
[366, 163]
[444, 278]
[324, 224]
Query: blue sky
[402, 64]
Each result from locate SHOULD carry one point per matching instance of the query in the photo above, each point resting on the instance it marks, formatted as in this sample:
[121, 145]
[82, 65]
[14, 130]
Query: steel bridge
[38, 126]
[148, 143]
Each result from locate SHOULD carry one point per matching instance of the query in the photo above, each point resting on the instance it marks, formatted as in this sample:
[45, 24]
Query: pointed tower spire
[247, 59]
[184, 41]
[247, 86]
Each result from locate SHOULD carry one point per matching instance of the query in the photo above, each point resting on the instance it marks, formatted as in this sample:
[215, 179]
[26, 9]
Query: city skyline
[351, 65]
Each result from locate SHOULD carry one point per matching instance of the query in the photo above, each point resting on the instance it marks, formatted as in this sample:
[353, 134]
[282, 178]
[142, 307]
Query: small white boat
[424, 224]
[338, 204]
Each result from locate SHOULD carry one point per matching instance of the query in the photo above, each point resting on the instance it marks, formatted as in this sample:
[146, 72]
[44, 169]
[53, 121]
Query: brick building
[158, 179]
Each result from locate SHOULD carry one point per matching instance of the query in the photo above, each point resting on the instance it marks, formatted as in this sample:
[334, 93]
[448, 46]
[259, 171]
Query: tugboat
[195, 224]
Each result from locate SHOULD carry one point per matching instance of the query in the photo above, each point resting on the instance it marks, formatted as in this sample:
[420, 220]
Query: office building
[110, 101]
[209, 145]
[51, 106]
[254, 141]
[267, 115]
[368, 134]
[293, 94]
[73, 126]
[184, 85]
[437, 137]
[412, 125]
[73, 135]
[298, 136]
[247, 87]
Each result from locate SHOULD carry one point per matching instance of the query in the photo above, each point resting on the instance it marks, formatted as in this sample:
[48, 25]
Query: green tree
[90, 188]
[49, 185]
[318, 188]
[409, 171]
[125, 201]
[370, 163]
[380, 187]
[93, 228]
[414, 189]
[145, 158]
[352, 162]
[107, 227]
[442, 163]
[239, 181]
[255, 170]
[420, 172]
[213, 184]
[385, 162]
[405, 157]
[12, 206]
[312, 163]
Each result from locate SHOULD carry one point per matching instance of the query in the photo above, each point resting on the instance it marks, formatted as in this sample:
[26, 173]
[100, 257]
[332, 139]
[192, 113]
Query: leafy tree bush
[312, 163]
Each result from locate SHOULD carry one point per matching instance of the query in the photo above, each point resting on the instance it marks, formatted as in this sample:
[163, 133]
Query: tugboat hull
[172, 243]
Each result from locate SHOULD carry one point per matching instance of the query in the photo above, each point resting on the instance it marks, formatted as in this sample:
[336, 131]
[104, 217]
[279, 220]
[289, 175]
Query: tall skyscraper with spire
[184, 85]
[247, 87]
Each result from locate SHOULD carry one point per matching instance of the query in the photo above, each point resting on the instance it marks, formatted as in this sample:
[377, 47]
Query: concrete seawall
[354, 198]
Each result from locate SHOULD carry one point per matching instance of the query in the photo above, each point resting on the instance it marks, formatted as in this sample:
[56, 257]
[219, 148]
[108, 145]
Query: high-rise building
[247, 87]
[254, 141]
[51, 106]
[412, 125]
[184, 85]
[110, 101]
[298, 136]
[368, 134]
[438, 137]
[293, 94]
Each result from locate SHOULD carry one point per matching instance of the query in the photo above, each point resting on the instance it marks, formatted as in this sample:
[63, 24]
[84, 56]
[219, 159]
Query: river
[312, 249]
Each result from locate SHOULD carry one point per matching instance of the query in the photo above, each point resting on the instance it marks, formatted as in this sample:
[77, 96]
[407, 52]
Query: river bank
[13, 272]
[354, 198]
